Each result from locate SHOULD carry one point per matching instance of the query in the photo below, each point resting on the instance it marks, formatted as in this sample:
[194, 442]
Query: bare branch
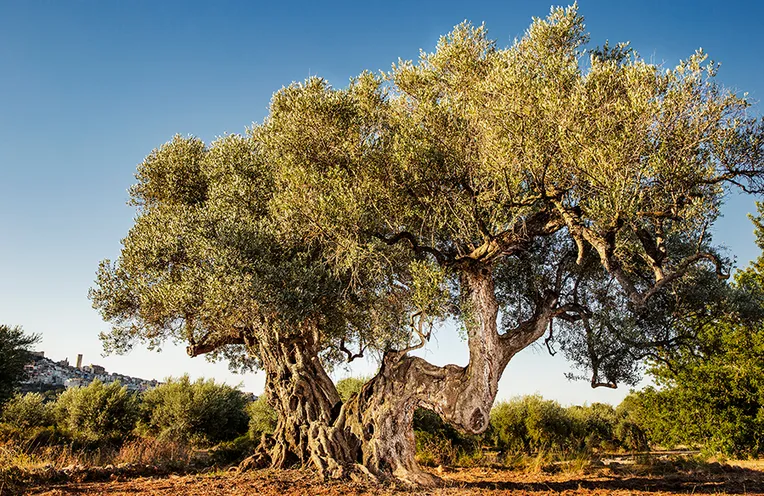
[418, 249]
[549, 339]
[610, 385]
[351, 356]
[210, 342]
[424, 337]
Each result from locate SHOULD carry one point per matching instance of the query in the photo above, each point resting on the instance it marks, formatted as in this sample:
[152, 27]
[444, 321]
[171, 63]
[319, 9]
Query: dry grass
[157, 452]
[458, 482]
[147, 466]
[22, 465]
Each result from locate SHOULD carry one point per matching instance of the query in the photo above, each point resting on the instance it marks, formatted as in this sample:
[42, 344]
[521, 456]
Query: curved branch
[605, 247]
[351, 356]
[211, 343]
[418, 249]
[424, 337]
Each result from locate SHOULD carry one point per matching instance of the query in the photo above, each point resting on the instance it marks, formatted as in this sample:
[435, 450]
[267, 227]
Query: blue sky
[88, 88]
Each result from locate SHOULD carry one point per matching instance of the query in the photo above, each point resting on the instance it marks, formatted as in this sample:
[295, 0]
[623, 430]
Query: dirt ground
[621, 480]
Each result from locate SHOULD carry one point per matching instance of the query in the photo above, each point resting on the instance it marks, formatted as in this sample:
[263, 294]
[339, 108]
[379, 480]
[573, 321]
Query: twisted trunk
[373, 432]
[308, 406]
[381, 415]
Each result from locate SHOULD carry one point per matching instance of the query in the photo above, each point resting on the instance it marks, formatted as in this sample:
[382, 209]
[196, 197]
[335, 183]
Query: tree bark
[373, 433]
[307, 404]
[381, 415]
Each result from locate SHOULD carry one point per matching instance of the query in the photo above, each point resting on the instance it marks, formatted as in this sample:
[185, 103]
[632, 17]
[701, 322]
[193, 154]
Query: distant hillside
[43, 374]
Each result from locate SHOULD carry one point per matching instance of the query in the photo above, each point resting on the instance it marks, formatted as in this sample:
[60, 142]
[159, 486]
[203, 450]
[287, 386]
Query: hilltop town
[44, 374]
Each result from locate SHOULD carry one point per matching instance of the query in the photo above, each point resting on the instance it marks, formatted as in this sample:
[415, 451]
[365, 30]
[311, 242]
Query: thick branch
[516, 238]
[211, 342]
[351, 356]
[418, 249]
[530, 330]
[605, 247]
[682, 269]
[424, 337]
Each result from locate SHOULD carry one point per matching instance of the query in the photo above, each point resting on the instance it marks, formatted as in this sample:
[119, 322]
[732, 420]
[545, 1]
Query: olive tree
[205, 264]
[16, 350]
[543, 188]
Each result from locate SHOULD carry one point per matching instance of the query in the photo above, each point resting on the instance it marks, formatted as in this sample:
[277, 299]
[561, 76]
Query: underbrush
[23, 464]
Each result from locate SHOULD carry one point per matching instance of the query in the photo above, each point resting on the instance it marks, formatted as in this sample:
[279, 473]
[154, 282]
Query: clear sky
[88, 88]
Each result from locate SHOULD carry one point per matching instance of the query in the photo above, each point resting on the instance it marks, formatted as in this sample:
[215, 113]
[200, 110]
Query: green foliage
[97, 413]
[438, 443]
[202, 411]
[234, 451]
[714, 401]
[531, 424]
[433, 449]
[15, 348]
[349, 386]
[28, 411]
[593, 425]
[262, 418]
[630, 431]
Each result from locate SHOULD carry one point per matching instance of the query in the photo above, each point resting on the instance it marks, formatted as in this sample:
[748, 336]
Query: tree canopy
[15, 348]
[711, 387]
[544, 188]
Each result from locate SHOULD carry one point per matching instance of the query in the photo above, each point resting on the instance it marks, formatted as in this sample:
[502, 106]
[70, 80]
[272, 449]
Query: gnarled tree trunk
[373, 432]
[307, 404]
[381, 415]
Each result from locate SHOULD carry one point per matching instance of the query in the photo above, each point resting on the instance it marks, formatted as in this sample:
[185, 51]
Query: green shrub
[27, 411]
[262, 418]
[433, 449]
[531, 424]
[437, 443]
[97, 413]
[593, 427]
[629, 431]
[230, 452]
[202, 412]
[349, 386]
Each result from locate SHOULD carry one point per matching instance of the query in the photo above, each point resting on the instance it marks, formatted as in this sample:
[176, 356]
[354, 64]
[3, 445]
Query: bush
[201, 412]
[433, 449]
[629, 430]
[231, 452]
[437, 443]
[531, 424]
[97, 413]
[27, 411]
[593, 427]
[348, 386]
[262, 418]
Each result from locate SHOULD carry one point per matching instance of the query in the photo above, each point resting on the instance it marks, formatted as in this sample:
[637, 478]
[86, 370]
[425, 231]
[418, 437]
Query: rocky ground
[618, 479]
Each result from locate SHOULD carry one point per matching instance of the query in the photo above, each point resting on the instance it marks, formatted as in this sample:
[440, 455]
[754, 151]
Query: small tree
[202, 411]
[349, 386]
[15, 350]
[531, 424]
[27, 411]
[97, 413]
[262, 418]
